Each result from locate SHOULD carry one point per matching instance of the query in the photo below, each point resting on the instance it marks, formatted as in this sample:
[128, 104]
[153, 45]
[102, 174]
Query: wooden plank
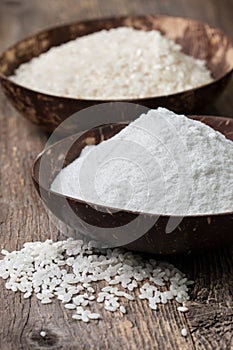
[23, 218]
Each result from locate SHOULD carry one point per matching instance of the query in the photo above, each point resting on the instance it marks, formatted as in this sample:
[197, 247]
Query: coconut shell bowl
[192, 234]
[196, 39]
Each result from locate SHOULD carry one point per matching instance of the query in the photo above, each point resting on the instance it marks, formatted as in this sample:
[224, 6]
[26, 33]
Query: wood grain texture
[23, 218]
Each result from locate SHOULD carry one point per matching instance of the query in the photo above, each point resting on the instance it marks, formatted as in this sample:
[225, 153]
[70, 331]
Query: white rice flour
[161, 163]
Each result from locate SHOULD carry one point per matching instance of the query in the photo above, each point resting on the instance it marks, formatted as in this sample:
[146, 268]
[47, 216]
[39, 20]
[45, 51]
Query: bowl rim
[5, 77]
[131, 212]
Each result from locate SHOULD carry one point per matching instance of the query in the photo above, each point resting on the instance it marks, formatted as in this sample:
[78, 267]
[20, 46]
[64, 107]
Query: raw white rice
[43, 334]
[182, 308]
[122, 309]
[115, 64]
[70, 271]
[184, 332]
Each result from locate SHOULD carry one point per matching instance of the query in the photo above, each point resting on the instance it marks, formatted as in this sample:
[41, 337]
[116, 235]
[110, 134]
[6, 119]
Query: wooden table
[23, 218]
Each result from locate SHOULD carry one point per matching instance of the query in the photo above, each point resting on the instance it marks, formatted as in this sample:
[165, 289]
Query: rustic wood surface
[23, 218]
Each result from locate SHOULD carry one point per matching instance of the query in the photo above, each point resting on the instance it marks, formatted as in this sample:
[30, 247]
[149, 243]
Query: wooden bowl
[194, 233]
[197, 39]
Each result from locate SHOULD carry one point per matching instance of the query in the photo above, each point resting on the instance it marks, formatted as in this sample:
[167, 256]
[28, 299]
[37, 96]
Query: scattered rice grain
[184, 332]
[37, 268]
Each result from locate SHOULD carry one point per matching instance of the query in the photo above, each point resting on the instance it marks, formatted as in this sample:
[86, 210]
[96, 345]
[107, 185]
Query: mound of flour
[161, 163]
